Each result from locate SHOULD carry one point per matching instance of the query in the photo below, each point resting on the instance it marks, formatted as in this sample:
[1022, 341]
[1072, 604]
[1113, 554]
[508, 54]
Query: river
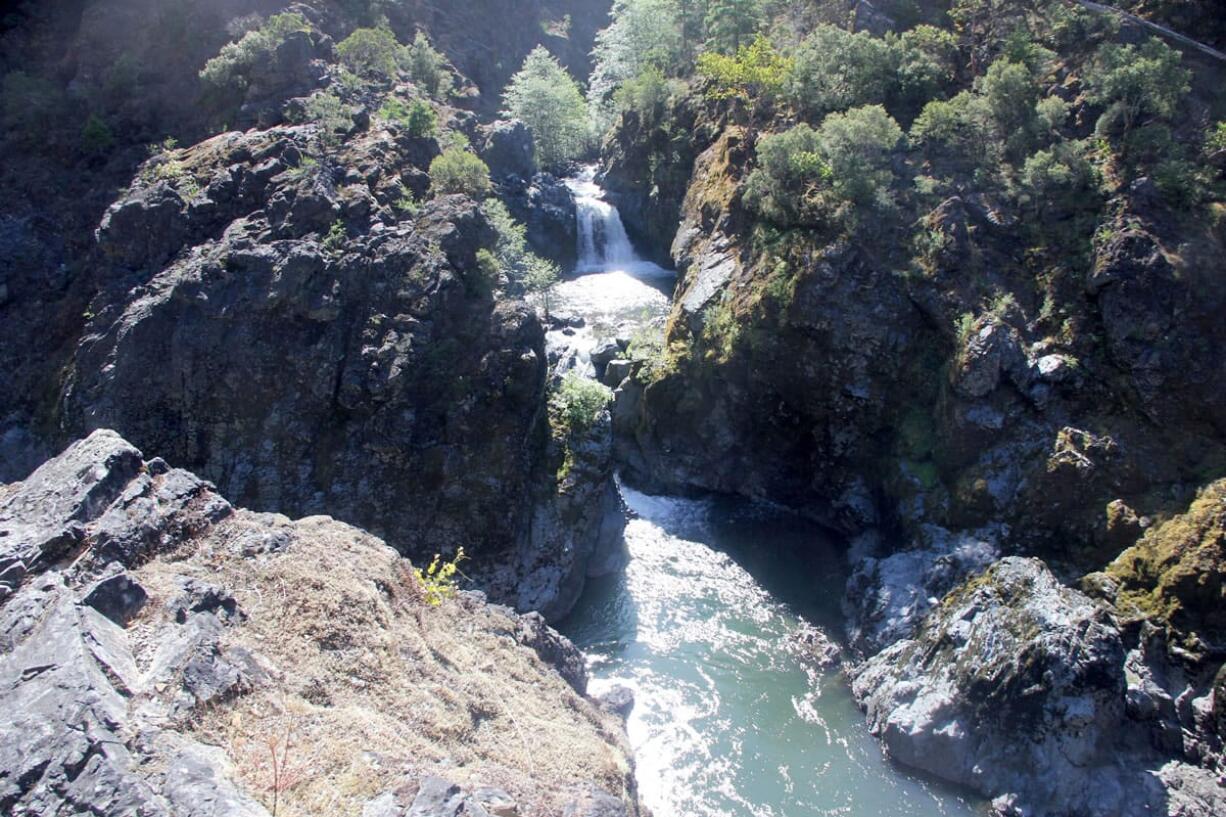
[732, 718]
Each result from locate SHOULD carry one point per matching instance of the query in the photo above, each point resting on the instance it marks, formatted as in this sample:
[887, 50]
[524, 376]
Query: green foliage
[857, 145]
[644, 36]
[1060, 180]
[525, 270]
[925, 60]
[418, 117]
[438, 580]
[97, 136]
[836, 70]
[1135, 83]
[805, 176]
[31, 105]
[578, 402]
[647, 94]
[720, 331]
[337, 235]
[756, 72]
[230, 68]
[371, 53]
[545, 97]
[459, 171]
[1215, 139]
[426, 67]
[331, 117]
[731, 24]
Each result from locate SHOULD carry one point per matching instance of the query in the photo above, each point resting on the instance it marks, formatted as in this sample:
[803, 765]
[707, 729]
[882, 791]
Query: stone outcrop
[157, 643]
[1016, 687]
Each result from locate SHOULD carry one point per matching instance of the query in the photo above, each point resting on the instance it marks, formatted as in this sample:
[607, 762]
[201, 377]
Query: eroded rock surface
[155, 642]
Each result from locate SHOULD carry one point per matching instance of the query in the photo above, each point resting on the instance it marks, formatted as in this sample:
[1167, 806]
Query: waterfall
[603, 243]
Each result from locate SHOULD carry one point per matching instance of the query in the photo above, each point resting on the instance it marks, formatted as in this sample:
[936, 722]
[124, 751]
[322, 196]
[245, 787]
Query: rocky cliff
[163, 652]
[950, 379]
[281, 309]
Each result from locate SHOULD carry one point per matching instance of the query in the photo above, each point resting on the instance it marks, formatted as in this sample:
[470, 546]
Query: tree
[426, 66]
[757, 74]
[644, 35]
[732, 24]
[1136, 82]
[807, 175]
[545, 97]
[458, 171]
[836, 70]
[371, 53]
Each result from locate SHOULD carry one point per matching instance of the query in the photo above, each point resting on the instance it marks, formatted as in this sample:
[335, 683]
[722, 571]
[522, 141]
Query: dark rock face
[66, 671]
[102, 689]
[1015, 686]
[372, 379]
[546, 208]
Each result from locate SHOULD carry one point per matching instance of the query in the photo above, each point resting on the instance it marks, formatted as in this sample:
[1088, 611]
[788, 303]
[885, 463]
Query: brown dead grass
[369, 683]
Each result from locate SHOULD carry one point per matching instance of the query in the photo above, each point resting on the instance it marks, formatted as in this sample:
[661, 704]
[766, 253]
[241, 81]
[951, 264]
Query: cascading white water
[603, 243]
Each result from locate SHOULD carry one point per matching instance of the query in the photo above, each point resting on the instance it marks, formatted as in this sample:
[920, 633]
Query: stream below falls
[731, 718]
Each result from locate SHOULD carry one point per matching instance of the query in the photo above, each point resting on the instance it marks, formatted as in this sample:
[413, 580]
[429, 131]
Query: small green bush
[578, 402]
[418, 117]
[836, 69]
[458, 171]
[526, 271]
[1215, 140]
[230, 67]
[370, 53]
[97, 136]
[438, 580]
[426, 66]
[331, 117]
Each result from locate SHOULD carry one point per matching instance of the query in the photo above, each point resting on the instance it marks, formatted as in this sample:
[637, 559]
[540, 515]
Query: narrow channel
[709, 623]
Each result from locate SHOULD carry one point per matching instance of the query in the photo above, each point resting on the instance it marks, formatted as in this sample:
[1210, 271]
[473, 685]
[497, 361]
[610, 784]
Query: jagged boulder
[1015, 687]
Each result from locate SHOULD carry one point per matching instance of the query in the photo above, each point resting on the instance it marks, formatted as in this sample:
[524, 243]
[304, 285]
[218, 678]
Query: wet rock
[604, 352]
[618, 701]
[546, 208]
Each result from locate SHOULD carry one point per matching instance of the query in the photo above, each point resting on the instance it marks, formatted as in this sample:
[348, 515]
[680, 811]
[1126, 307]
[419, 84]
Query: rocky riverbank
[163, 652]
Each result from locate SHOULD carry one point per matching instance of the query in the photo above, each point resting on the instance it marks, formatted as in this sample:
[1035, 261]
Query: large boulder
[1015, 686]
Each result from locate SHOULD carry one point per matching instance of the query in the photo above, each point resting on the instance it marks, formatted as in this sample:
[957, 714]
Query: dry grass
[370, 683]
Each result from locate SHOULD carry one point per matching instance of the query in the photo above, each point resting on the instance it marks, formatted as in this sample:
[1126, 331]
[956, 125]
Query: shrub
[578, 402]
[857, 146]
[337, 235]
[31, 104]
[1215, 139]
[97, 136]
[545, 97]
[458, 171]
[647, 94]
[438, 580]
[836, 69]
[426, 66]
[230, 67]
[525, 270]
[1061, 179]
[925, 62]
[756, 72]
[418, 117]
[371, 53]
[330, 115]
[804, 174]
[1137, 82]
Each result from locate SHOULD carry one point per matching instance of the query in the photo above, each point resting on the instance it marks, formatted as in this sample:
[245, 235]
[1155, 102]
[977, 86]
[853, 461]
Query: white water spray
[603, 243]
